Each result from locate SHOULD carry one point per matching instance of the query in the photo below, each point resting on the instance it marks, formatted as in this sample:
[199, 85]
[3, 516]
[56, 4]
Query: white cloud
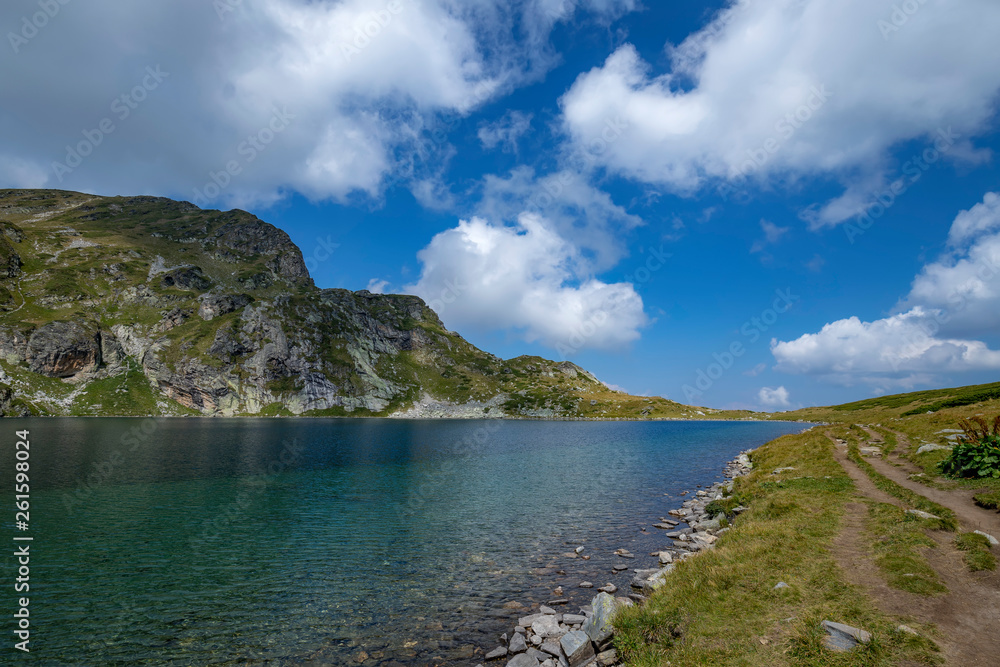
[18, 173]
[772, 234]
[936, 328]
[571, 205]
[756, 370]
[524, 278]
[377, 286]
[505, 132]
[773, 398]
[364, 82]
[775, 90]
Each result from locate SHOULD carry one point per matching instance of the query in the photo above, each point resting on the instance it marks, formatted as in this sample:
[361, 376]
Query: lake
[281, 541]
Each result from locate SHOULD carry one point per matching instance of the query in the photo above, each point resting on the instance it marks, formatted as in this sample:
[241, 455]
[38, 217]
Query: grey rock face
[185, 278]
[10, 260]
[215, 306]
[63, 349]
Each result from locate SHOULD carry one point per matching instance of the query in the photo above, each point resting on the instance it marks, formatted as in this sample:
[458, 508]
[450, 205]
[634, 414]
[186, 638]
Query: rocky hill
[144, 305]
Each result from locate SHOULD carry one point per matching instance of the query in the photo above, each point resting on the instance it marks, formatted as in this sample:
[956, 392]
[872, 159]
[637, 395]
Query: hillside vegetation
[144, 305]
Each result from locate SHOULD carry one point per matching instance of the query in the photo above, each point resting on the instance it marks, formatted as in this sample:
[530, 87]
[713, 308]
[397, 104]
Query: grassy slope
[123, 237]
[720, 608]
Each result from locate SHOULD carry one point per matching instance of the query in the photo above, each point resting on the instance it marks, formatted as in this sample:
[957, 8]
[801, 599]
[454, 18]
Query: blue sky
[680, 197]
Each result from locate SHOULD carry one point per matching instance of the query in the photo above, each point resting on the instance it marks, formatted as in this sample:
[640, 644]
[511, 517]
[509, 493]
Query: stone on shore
[547, 627]
[517, 644]
[523, 660]
[598, 627]
[552, 648]
[577, 647]
[496, 653]
[842, 637]
[586, 584]
[607, 658]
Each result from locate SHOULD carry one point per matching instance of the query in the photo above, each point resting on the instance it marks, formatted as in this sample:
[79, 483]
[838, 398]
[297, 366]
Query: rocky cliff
[144, 305]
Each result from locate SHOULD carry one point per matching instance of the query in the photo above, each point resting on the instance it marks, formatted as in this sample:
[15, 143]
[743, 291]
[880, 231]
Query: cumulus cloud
[782, 89]
[524, 278]
[377, 286]
[505, 132]
[361, 84]
[773, 398]
[573, 207]
[936, 328]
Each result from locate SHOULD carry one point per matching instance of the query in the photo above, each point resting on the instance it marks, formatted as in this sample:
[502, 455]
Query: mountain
[144, 305]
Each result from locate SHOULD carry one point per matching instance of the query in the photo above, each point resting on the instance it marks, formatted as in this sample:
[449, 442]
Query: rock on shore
[552, 639]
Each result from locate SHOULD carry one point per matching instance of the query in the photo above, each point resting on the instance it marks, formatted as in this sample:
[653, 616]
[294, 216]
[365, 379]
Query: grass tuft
[976, 552]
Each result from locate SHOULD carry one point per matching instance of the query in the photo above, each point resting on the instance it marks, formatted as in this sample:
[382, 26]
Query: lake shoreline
[549, 636]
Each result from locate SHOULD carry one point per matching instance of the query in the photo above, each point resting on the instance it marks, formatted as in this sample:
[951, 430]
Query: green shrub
[977, 453]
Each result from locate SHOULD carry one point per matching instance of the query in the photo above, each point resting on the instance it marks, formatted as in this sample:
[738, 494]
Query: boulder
[992, 540]
[552, 648]
[547, 627]
[222, 304]
[517, 644]
[922, 514]
[523, 660]
[577, 647]
[607, 658]
[932, 448]
[185, 278]
[63, 349]
[842, 637]
[497, 653]
[599, 626]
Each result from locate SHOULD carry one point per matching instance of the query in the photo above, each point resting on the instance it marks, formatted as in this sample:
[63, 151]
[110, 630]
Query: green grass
[897, 539]
[988, 499]
[128, 394]
[976, 552]
[948, 520]
[717, 606]
[962, 396]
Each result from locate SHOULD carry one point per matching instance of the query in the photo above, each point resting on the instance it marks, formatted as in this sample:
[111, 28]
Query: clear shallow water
[252, 541]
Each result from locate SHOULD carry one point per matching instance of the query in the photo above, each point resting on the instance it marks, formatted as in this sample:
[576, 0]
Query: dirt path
[967, 618]
[864, 485]
[958, 501]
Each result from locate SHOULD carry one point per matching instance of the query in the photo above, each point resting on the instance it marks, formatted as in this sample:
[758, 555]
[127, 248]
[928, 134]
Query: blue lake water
[280, 541]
